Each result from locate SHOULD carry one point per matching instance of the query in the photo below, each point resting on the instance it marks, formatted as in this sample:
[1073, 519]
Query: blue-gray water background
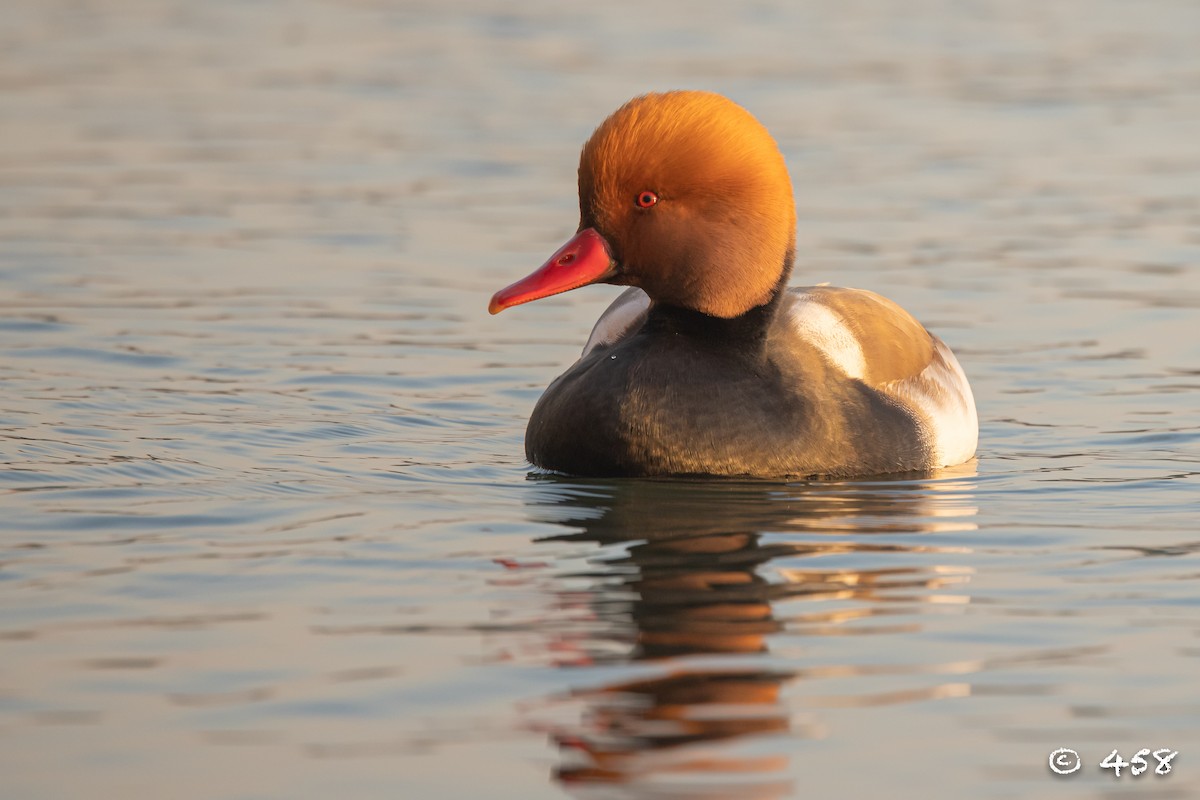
[266, 527]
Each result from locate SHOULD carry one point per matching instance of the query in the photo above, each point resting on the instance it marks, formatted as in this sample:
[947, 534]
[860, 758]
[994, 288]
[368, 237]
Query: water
[267, 531]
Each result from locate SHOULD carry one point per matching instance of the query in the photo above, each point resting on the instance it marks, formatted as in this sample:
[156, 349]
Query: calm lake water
[267, 529]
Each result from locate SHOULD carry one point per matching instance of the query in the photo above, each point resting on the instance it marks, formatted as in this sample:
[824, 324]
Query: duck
[708, 364]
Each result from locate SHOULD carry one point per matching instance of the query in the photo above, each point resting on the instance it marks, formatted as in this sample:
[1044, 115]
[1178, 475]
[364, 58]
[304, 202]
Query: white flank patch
[942, 395]
[626, 312]
[823, 328]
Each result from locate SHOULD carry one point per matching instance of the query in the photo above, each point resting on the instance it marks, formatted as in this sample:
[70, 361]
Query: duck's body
[712, 367]
[791, 390]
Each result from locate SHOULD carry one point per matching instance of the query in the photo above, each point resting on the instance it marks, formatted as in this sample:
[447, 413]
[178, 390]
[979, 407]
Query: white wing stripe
[823, 328]
[627, 311]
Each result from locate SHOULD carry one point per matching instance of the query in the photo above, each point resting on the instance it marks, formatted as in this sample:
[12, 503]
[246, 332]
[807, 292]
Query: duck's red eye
[646, 199]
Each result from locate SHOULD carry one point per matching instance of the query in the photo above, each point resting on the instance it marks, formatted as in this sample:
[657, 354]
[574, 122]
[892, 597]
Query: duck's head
[683, 194]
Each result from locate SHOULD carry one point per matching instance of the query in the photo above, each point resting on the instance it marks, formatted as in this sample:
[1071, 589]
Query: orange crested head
[683, 194]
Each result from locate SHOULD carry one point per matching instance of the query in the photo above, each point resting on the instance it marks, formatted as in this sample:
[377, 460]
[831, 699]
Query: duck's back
[838, 382]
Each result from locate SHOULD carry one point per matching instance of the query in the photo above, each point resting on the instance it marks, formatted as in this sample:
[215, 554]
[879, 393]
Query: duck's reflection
[687, 582]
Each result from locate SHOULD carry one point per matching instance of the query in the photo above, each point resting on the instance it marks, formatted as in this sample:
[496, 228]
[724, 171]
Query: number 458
[1137, 765]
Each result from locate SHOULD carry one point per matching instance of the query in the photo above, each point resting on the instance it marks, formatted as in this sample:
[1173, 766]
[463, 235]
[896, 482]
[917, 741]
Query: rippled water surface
[267, 530]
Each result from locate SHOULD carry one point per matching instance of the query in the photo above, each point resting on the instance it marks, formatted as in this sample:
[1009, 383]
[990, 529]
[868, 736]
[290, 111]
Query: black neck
[751, 326]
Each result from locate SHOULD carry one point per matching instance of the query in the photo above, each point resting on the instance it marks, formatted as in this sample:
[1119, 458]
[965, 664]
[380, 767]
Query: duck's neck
[748, 327]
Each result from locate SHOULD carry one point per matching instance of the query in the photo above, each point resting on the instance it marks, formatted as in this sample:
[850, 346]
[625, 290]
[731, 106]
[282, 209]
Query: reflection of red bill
[512, 563]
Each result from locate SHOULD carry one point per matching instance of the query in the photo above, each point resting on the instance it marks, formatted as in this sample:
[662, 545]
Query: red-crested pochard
[709, 365]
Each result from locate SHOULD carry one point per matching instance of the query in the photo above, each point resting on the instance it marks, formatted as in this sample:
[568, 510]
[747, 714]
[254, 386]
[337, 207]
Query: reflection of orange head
[688, 585]
[695, 596]
[701, 610]
[670, 727]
